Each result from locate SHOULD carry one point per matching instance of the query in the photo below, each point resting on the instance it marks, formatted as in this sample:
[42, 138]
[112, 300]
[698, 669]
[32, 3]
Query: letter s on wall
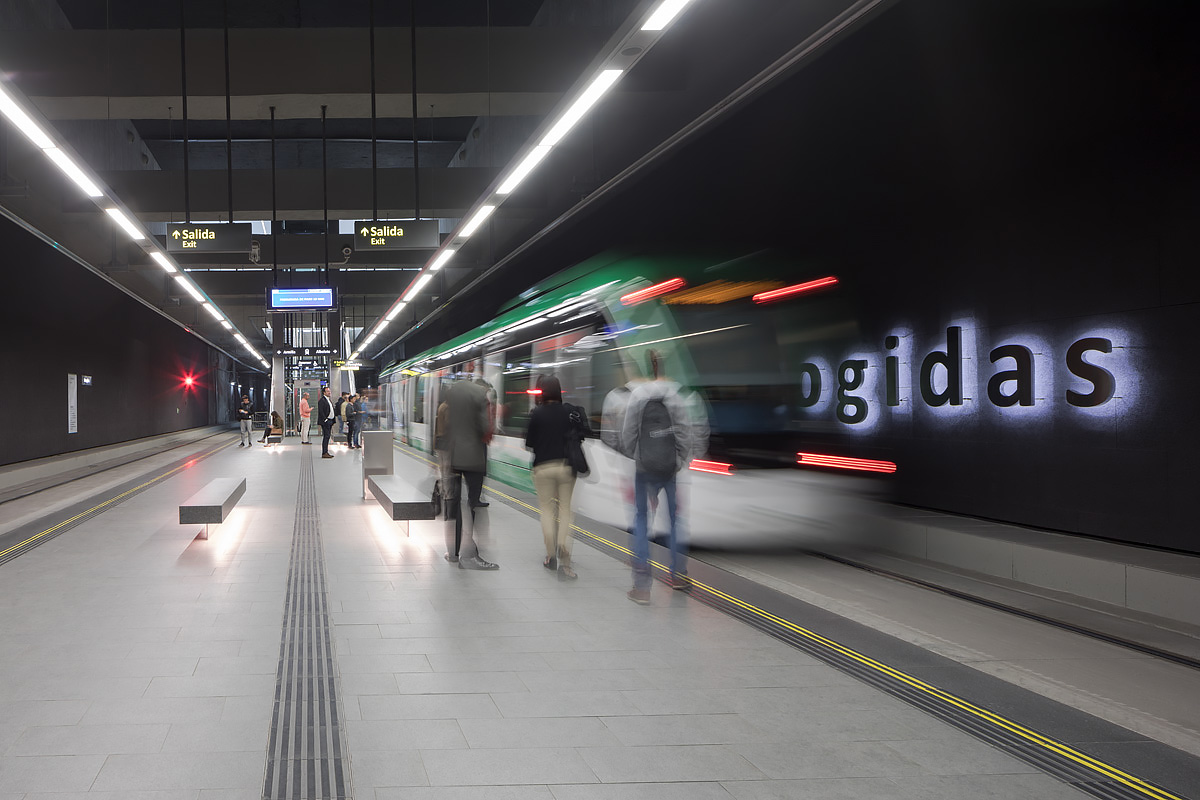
[1104, 385]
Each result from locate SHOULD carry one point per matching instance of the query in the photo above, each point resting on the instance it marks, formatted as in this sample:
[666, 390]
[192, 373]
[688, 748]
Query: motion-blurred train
[734, 332]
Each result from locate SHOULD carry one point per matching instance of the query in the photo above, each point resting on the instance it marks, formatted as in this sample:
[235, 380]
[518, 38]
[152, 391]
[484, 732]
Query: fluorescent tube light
[395, 312]
[163, 261]
[72, 171]
[17, 116]
[124, 222]
[352, 356]
[590, 95]
[664, 14]
[369, 339]
[212, 310]
[445, 256]
[380, 327]
[240, 338]
[226, 324]
[476, 220]
[526, 166]
[192, 290]
[418, 285]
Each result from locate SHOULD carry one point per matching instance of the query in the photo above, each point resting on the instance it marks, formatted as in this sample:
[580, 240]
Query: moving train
[733, 331]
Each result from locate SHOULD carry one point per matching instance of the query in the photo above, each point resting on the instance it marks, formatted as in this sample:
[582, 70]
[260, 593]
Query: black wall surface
[1027, 169]
[65, 320]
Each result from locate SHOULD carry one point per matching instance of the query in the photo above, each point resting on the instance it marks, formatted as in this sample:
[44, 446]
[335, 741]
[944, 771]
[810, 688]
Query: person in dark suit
[326, 418]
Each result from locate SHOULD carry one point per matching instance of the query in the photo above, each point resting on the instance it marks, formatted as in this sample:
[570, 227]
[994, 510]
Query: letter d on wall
[951, 361]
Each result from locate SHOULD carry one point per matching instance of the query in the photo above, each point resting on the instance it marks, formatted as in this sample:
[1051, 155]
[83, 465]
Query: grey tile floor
[139, 662]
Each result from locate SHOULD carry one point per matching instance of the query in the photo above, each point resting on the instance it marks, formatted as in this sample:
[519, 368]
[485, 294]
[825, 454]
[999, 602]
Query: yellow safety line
[1034, 737]
[109, 501]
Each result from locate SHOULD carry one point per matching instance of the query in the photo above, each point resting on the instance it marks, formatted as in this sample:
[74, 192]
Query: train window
[515, 402]
[418, 409]
[559, 356]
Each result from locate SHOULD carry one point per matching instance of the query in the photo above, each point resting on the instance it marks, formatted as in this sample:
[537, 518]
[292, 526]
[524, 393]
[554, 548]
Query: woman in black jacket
[550, 426]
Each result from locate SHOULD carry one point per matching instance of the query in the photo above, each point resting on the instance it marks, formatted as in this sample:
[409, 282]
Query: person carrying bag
[555, 435]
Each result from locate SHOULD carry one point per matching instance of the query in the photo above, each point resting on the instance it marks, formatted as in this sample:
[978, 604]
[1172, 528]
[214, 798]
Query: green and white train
[592, 326]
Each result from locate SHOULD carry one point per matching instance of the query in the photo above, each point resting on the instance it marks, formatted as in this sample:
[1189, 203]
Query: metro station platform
[310, 648]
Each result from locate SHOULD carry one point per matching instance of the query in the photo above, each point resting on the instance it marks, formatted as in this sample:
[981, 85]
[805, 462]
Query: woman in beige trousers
[553, 477]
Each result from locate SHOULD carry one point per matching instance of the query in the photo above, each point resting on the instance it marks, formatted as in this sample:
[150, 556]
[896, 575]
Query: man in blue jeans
[662, 433]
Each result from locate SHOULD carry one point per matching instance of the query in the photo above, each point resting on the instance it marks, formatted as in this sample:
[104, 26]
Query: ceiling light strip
[591, 95]
[527, 165]
[72, 171]
[163, 261]
[23, 122]
[14, 108]
[665, 14]
[440, 260]
[126, 224]
[476, 220]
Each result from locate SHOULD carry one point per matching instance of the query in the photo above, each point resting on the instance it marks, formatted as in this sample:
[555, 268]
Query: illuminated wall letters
[1011, 385]
[1105, 386]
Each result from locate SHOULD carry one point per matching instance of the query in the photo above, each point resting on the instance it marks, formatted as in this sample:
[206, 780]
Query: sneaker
[243, 444]
[639, 596]
[326, 455]
[476, 562]
[450, 558]
[678, 580]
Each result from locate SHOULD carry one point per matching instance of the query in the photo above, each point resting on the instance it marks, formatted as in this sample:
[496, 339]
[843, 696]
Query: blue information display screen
[301, 299]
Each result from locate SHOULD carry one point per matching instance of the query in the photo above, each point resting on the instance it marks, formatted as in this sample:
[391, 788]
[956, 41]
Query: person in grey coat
[467, 435]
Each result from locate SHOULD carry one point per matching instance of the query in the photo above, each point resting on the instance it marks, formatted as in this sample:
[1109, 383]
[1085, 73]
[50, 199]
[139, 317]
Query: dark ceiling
[109, 78]
[752, 122]
[89, 14]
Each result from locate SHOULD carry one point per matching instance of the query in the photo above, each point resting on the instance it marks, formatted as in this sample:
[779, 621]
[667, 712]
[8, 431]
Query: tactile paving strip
[305, 760]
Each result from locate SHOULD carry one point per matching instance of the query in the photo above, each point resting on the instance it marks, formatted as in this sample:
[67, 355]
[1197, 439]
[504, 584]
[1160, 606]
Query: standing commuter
[551, 424]
[467, 434]
[337, 411]
[245, 415]
[350, 414]
[360, 418]
[441, 445]
[326, 418]
[662, 435]
[364, 413]
[305, 419]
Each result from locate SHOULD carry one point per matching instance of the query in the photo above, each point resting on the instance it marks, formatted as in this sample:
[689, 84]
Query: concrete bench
[212, 504]
[400, 500]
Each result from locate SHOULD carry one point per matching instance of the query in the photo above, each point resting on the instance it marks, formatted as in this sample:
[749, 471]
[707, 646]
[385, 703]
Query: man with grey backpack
[662, 434]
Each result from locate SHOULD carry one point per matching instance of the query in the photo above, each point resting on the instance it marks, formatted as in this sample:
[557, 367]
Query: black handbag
[576, 429]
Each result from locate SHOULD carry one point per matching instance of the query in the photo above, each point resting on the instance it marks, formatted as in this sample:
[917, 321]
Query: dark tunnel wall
[66, 320]
[1026, 171]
